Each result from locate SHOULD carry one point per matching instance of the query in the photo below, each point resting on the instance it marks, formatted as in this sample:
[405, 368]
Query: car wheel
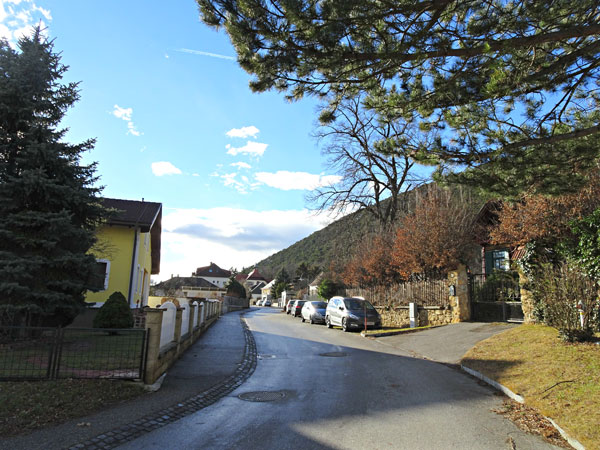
[303, 320]
[344, 324]
[311, 320]
[328, 322]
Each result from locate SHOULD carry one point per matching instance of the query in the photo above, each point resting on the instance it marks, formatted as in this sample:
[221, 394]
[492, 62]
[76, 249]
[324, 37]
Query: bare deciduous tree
[373, 156]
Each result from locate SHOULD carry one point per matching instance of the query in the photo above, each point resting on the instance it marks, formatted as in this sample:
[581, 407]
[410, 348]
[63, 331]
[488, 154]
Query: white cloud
[243, 132]
[241, 165]
[125, 114]
[201, 53]
[161, 168]
[229, 236]
[122, 113]
[287, 181]
[229, 179]
[251, 148]
[19, 17]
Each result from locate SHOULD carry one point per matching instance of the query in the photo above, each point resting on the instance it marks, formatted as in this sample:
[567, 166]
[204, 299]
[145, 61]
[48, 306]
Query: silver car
[351, 313]
[314, 312]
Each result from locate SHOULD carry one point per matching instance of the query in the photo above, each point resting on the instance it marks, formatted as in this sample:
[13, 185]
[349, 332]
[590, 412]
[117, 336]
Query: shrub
[560, 291]
[115, 313]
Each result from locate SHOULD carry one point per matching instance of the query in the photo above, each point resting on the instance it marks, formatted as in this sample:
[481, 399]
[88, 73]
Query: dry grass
[560, 380]
[26, 406]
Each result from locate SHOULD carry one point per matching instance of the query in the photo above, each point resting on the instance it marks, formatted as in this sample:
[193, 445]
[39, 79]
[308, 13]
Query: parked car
[349, 313]
[297, 307]
[267, 303]
[314, 312]
[288, 306]
[260, 302]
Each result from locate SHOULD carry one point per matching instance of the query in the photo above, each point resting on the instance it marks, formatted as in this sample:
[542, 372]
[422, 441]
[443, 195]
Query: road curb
[516, 397]
[403, 331]
[126, 433]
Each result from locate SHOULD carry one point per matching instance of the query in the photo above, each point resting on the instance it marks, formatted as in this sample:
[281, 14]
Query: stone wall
[428, 315]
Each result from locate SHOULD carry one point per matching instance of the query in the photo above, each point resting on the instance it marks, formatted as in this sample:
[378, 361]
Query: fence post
[460, 302]
[153, 328]
[178, 317]
[193, 309]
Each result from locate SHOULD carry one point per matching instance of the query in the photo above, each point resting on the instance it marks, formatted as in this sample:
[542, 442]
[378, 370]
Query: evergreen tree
[282, 283]
[48, 203]
[507, 86]
[235, 288]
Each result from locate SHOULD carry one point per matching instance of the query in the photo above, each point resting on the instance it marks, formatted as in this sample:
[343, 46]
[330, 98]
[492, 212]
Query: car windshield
[300, 303]
[355, 304]
[319, 305]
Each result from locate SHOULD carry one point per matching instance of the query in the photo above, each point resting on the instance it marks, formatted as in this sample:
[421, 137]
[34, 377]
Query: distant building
[213, 274]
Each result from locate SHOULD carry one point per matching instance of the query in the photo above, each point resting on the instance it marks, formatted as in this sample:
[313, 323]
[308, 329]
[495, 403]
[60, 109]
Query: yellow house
[127, 251]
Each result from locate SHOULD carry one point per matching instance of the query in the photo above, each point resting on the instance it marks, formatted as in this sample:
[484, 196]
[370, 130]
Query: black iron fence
[32, 353]
[497, 287]
[425, 291]
[495, 297]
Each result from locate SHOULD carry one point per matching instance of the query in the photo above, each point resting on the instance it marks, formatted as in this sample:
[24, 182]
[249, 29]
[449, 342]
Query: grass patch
[26, 406]
[560, 380]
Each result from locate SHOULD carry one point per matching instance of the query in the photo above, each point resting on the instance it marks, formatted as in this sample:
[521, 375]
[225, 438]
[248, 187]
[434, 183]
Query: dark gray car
[314, 312]
[349, 313]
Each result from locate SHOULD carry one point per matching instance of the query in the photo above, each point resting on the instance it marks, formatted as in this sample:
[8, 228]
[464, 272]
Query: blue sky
[176, 123]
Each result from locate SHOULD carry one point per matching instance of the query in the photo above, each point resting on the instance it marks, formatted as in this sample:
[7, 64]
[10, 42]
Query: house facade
[127, 251]
[213, 274]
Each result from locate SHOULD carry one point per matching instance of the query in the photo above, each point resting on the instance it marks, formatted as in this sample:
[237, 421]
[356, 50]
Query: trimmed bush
[115, 313]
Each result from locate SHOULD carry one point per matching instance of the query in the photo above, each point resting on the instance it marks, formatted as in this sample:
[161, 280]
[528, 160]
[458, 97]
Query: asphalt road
[365, 395]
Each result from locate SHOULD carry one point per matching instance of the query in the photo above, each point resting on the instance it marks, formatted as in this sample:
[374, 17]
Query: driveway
[445, 344]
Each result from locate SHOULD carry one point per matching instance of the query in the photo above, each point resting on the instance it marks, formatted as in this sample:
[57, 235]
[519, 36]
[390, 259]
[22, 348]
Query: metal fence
[423, 291]
[32, 353]
[497, 287]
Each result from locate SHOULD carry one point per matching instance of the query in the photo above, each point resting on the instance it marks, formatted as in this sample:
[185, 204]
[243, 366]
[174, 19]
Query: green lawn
[560, 380]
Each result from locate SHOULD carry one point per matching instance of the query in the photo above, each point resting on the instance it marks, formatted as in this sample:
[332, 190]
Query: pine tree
[507, 86]
[49, 208]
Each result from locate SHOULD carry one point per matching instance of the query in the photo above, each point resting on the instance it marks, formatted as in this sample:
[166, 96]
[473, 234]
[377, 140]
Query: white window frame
[106, 274]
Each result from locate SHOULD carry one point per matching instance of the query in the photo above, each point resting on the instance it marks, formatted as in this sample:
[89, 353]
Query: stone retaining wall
[428, 315]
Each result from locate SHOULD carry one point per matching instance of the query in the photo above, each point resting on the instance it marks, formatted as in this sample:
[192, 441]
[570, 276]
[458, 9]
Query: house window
[500, 259]
[99, 277]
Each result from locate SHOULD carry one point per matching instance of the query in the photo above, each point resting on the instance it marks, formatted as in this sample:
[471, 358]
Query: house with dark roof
[127, 251]
[213, 274]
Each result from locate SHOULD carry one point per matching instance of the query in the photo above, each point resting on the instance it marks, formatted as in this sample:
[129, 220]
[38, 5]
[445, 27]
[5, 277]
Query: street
[331, 389]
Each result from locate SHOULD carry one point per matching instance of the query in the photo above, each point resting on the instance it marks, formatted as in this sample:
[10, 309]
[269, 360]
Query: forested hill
[337, 239]
[318, 249]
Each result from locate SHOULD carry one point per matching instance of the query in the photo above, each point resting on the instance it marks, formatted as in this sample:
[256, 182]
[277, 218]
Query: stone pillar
[193, 309]
[153, 328]
[526, 299]
[460, 302]
[178, 316]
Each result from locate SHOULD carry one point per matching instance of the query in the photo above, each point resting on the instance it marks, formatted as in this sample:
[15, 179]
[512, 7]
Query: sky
[175, 122]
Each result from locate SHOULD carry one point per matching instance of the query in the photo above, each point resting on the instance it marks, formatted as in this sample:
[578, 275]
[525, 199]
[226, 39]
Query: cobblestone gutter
[169, 415]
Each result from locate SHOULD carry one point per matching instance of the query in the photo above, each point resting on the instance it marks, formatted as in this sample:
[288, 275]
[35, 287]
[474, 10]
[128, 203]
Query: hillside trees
[48, 203]
[373, 156]
[439, 234]
[509, 88]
